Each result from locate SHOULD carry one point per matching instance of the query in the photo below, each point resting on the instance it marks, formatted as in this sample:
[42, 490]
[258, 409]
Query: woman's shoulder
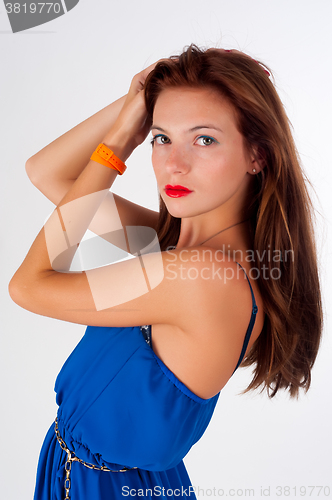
[216, 294]
[203, 344]
[223, 287]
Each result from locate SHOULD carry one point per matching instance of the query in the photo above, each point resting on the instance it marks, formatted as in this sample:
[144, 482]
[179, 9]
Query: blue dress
[121, 407]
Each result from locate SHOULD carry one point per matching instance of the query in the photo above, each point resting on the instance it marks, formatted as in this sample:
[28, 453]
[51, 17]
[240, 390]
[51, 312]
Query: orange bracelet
[106, 157]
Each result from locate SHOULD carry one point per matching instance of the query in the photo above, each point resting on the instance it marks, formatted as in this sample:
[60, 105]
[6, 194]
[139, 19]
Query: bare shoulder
[205, 345]
[221, 286]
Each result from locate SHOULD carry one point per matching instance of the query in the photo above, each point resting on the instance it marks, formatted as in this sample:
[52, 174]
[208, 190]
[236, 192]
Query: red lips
[176, 191]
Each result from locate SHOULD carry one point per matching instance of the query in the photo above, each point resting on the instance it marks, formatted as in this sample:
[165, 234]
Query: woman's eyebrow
[190, 130]
[157, 128]
[205, 126]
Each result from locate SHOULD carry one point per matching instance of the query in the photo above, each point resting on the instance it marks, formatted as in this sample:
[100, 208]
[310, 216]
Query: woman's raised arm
[62, 161]
[54, 169]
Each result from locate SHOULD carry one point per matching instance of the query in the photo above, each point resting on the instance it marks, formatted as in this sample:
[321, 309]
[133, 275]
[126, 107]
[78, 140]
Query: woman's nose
[178, 161]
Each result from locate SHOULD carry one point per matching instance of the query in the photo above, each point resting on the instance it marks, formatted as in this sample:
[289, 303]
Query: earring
[254, 170]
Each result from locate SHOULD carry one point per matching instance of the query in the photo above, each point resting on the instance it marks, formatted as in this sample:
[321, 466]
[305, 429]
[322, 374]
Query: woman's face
[196, 144]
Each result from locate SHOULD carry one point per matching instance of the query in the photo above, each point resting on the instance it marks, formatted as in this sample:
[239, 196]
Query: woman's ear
[258, 161]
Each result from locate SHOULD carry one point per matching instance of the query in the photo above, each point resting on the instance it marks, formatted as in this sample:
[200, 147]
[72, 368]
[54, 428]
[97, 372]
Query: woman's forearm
[53, 169]
[55, 245]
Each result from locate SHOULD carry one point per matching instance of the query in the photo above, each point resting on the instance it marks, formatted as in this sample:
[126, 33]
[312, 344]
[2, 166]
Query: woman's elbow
[18, 291]
[32, 170]
[13, 290]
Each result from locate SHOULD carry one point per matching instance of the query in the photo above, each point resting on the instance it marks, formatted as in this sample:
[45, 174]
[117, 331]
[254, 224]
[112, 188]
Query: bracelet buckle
[104, 153]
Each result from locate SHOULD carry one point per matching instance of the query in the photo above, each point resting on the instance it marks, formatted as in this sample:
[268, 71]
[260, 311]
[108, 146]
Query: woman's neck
[228, 236]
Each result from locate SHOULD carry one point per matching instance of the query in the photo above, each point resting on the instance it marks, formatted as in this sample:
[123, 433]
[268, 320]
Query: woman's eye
[206, 140]
[160, 139]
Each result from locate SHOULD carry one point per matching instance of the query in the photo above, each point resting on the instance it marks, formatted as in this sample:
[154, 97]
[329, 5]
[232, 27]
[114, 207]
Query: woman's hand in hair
[133, 124]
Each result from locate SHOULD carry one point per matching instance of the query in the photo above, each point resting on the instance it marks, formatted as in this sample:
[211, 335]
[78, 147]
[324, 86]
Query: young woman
[235, 281]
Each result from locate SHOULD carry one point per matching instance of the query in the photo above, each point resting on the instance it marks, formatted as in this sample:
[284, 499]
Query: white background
[56, 75]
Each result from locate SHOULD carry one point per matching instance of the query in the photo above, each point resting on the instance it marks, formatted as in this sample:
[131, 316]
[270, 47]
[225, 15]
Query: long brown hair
[281, 212]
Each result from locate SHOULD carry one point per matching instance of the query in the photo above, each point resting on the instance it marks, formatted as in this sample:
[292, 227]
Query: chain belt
[71, 457]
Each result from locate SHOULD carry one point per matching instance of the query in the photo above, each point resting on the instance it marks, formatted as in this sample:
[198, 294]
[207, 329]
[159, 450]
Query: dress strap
[251, 323]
